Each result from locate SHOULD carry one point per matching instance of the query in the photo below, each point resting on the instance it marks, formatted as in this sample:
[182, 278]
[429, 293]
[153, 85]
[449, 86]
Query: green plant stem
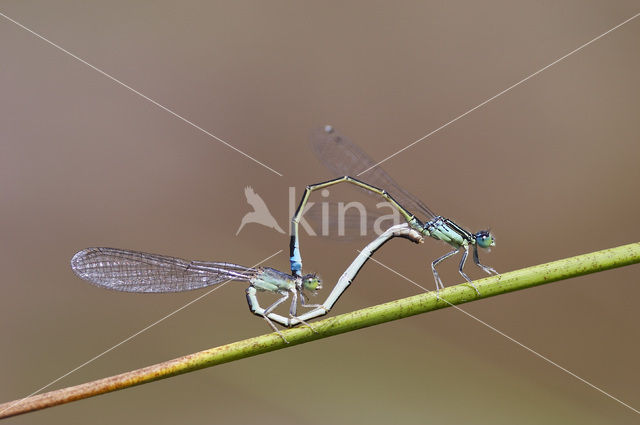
[491, 286]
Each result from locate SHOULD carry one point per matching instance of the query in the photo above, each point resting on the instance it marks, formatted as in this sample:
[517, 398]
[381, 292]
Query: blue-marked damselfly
[345, 159]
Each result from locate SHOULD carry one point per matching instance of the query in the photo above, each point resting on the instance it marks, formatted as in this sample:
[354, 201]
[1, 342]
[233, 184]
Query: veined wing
[344, 158]
[133, 271]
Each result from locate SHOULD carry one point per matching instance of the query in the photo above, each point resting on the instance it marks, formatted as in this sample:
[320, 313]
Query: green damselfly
[344, 158]
[134, 271]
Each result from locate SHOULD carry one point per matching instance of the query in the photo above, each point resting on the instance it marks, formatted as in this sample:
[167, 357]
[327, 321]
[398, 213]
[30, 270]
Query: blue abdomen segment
[296, 258]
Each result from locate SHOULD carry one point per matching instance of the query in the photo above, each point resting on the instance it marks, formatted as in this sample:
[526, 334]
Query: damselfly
[344, 158]
[133, 271]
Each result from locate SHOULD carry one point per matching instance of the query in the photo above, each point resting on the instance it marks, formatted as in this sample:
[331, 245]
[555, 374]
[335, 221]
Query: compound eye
[311, 283]
[484, 239]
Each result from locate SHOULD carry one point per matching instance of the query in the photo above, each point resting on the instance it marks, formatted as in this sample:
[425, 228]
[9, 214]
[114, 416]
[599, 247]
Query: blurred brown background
[551, 166]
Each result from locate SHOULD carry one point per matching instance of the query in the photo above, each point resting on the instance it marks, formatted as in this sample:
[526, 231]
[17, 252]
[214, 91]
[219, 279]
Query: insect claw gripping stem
[462, 261]
[306, 324]
[476, 260]
[275, 329]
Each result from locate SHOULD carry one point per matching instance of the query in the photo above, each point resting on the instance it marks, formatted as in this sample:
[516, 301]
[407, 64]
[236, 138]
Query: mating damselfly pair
[133, 271]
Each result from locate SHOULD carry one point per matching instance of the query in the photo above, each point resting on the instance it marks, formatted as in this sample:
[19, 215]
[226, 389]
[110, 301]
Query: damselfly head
[311, 282]
[485, 239]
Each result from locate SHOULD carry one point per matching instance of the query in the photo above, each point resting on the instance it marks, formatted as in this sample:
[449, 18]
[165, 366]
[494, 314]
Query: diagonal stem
[491, 286]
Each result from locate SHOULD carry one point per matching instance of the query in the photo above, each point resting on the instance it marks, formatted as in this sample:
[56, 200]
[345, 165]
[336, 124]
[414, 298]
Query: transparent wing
[344, 158]
[133, 271]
